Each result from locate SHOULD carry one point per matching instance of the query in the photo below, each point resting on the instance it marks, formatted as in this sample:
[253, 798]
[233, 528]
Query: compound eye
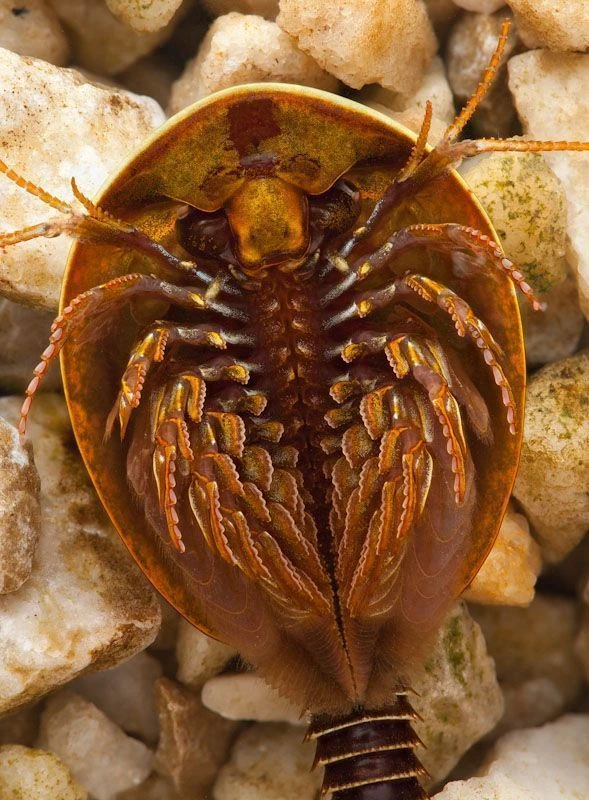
[205, 235]
[337, 210]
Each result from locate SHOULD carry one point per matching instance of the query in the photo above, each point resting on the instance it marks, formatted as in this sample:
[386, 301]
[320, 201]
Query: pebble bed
[105, 693]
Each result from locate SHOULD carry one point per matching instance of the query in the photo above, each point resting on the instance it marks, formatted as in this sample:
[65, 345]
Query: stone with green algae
[553, 476]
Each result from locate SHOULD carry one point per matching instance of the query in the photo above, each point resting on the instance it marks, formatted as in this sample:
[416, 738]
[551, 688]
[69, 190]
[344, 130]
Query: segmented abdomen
[369, 755]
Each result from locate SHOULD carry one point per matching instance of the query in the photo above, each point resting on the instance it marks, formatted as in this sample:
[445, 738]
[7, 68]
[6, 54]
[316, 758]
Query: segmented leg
[182, 397]
[425, 360]
[178, 402]
[96, 225]
[444, 238]
[380, 487]
[150, 349]
[465, 321]
[103, 300]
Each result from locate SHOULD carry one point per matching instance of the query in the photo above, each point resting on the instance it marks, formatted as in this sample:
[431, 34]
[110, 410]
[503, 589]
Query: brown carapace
[295, 371]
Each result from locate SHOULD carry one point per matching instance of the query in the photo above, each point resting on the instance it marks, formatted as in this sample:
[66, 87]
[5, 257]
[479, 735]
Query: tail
[368, 755]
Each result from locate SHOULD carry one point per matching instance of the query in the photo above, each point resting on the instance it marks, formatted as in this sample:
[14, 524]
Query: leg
[465, 321]
[150, 349]
[89, 307]
[444, 238]
[94, 225]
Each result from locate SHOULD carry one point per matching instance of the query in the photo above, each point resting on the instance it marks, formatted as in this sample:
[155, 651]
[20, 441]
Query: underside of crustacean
[295, 371]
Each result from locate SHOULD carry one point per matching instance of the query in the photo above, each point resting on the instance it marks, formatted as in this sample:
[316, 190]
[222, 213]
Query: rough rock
[194, 742]
[553, 476]
[20, 512]
[470, 46]
[27, 774]
[390, 42]
[252, 772]
[550, 762]
[554, 333]
[99, 755]
[199, 657]
[509, 574]
[152, 76]
[36, 31]
[552, 23]
[55, 125]
[551, 93]
[412, 118]
[434, 87]
[126, 694]
[527, 206]
[533, 648]
[100, 42]
[85, 605]
[247, 696]
[240, 49]
[458, 696]
[263, 8]
[144, 17]
[24, 333]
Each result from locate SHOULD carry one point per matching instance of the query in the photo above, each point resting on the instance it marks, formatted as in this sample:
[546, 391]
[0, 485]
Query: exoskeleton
[293, 359]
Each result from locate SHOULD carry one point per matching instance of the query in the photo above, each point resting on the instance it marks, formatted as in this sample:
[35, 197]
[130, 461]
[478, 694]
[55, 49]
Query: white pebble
[100, 42]
[457, 694]
[100, 756]
[193, 743]
[20, 513]
[551, 93]
[85, 604]
[552, 23]
[247, 696]
[269, 762]
[245, 49]
[434, 87]
[199, 657]
[393, 47]
[509, 573]
[126, 694]
[144, 17]
[55, 125]
[27, 774]
[33, 30]
[548, 763]
[553, 476]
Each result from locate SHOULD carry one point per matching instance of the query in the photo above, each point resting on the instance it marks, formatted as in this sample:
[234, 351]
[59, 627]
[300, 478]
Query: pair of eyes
[209, 235]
